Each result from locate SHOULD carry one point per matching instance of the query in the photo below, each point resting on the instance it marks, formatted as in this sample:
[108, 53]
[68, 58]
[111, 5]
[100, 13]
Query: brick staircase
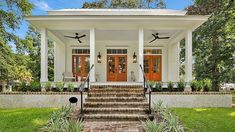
[115, 103]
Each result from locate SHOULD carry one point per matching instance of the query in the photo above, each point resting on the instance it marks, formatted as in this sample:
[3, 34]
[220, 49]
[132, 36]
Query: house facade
[117, 42]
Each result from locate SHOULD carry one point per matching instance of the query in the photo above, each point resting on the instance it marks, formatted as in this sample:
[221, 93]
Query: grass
[24, 119]
[207, 119]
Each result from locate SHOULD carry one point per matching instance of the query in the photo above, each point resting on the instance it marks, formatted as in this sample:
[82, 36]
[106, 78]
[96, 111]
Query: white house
[117, 41]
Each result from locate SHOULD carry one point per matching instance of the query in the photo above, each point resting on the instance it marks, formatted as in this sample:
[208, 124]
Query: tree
[11, 12]
[33, 38]
[213, 42]
[148, 4]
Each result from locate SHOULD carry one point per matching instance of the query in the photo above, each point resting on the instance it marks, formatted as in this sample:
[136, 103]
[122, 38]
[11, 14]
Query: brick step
[137, 90]
[116, 104]
[116, 86]
[115, 99]
[114, 117]
[115, 94]
[115, 110]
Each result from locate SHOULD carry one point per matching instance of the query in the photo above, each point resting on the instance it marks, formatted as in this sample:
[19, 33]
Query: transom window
[116, 51]
[152, 51]
[80, 51]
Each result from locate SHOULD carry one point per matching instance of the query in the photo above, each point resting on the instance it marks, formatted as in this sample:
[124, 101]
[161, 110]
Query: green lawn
[23, 120]
[207, 119]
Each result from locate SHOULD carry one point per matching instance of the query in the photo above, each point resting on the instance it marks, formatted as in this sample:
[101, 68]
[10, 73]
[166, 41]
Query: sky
[41, 6]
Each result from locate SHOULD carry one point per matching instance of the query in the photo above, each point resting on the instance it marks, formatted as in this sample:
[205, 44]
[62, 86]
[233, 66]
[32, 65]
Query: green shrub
[153, 126]
[194, 85]
[70, 87]
[151, 84]
[199, 85]
[35, 86]
[181, 85]
[48, 86]
[207, 85]
[170, 86]
[59, 86]
[158, 86]
[74, 126]
[23, 87]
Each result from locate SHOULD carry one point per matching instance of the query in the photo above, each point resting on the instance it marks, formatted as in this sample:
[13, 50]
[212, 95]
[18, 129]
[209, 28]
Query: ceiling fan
[157, 37]
[76, 37]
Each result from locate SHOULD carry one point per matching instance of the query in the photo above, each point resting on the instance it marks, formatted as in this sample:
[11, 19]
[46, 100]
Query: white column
[44, 56]
[173, 62]
[188, 57]
[141, 53]
[92, 54]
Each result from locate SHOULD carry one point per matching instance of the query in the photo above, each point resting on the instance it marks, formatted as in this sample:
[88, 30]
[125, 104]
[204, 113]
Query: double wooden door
[153, 67]
[116, 67]
[81, 64]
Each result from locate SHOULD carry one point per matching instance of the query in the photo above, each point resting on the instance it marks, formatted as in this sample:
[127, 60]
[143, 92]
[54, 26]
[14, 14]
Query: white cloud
[42, 5]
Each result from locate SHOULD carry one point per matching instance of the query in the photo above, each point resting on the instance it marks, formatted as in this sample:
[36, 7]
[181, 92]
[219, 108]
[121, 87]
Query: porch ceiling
[118, 35]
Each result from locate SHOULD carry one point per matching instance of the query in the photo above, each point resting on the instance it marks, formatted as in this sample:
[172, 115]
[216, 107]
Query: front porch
[117, 45]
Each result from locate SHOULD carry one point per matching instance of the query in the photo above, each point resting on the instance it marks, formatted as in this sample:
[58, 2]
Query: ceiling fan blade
[79, 40]
[152, 40]
[154, 35]
[82, 36]
[69, 37]
[163, 37]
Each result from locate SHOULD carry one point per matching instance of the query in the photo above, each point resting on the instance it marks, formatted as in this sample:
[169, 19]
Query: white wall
[192, 100]
[169, 56]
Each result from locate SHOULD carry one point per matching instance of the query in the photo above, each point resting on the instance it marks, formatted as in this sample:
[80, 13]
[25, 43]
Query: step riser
[115, 95]
[117, 91]
[113, 100]
[115, 106]
[112, 119]
[115, 111]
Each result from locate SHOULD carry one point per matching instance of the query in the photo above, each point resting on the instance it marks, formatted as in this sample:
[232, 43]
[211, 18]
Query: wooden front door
[153, 67]
[116, 67]
[81, 64]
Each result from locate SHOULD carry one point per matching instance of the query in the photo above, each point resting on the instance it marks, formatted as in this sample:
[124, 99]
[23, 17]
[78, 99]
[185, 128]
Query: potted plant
[48, 86]
[158, 87]
[207, 85]
[180, 85]
[70, 87]
[59, 86]
[170, 86]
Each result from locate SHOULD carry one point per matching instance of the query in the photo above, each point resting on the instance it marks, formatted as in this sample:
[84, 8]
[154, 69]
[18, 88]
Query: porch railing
[146, 88]
[82, 87]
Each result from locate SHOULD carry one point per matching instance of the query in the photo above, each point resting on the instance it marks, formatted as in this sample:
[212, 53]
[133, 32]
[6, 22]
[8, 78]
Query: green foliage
[59, 121]
[193, 85]
[158, 86]
[74, 126]
[199, 85]
[70, 87]
[181, 85]
[48, 86]
[213, 42]
[168, 123]
[152, 126]
[170, 86]
[12, 12]
[120, 4]
[23, 86]
[35, 86]
[207, 85]
[59, 86]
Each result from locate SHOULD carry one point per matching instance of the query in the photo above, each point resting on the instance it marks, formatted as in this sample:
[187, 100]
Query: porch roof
[122, 12]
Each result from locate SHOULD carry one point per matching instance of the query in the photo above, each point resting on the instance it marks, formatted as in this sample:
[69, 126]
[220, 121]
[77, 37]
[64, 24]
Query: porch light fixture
[99, 58]
[134, 58]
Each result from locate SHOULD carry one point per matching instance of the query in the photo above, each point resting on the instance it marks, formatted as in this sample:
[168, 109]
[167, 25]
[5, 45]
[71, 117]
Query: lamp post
[134, 58]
